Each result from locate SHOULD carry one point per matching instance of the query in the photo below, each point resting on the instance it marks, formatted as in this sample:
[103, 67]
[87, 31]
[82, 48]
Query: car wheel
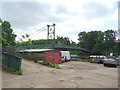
[105, 65]
[65, 60]
[115, 66]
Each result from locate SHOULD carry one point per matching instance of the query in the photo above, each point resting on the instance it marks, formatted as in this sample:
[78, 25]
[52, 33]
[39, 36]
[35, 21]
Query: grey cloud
[54, 19]
[24, 14]
[74, 32]
[96, 10]
[63, 10]
[72, 25]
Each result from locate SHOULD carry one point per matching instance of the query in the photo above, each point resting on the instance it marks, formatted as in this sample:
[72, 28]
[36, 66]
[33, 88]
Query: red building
[53, 57]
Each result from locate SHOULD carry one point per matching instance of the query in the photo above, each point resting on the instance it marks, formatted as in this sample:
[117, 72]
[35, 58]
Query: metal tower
[51, 33]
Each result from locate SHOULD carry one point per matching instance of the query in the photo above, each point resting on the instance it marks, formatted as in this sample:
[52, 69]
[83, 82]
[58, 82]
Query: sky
[70, 16]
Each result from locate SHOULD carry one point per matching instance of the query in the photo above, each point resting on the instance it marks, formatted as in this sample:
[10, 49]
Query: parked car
[65, 56]
[102, 59]
[110, 62]
[96, 58]
[118, 59]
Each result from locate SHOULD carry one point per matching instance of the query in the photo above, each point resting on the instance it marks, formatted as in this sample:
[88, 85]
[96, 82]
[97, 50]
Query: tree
[25, 40]
[92, 41]
[99, 46]
[99, 42]
[73, 43]
[110, 36]
[62, 40]
[8, 36]
[87, 40]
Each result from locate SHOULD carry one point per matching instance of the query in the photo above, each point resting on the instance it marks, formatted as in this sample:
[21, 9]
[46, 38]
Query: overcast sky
[70, 16]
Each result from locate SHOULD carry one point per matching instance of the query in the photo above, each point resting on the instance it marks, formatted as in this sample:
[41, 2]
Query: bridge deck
[55, 46]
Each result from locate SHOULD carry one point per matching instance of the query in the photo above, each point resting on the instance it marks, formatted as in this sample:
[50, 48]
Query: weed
[57, 66]
[13, 71]
[50, 65]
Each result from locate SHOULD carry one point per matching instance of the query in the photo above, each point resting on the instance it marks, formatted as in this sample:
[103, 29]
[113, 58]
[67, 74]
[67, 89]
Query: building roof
[36, 50]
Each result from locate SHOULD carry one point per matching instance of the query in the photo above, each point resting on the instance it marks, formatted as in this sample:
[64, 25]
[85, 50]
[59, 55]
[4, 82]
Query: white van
[65, 55]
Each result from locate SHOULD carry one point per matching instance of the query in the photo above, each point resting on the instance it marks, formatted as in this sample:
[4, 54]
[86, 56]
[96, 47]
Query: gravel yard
[71, 75]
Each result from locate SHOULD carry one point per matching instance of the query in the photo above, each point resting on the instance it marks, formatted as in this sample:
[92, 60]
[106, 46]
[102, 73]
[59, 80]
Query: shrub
[57, 66]
[50, 65]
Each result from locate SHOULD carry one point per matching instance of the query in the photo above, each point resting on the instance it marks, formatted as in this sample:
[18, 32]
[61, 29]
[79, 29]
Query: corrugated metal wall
[11, 62]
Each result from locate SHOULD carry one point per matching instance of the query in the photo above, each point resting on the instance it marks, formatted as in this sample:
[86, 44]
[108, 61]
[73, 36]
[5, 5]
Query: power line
[38, 30]
[60, 31]
[31, 35]
[64, 34]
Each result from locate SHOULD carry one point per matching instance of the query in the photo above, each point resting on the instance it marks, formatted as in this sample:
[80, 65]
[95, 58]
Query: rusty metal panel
[53, 57]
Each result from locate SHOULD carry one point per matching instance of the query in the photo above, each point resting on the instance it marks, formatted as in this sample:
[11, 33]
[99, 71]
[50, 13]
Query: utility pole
[51, 33]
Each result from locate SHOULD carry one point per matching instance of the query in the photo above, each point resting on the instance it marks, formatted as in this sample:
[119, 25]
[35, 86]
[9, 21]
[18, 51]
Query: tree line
[97, 42]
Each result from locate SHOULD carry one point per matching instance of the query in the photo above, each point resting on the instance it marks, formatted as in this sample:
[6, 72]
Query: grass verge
[81, 60]
[50, 65]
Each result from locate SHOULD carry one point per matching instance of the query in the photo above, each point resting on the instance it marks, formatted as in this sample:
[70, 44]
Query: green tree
[87, 40]
[40, 41]
[25, 40]
[73, 43]
[110, 36]
[99, 46]
[99, 42]
[8, 36]
[62, 40]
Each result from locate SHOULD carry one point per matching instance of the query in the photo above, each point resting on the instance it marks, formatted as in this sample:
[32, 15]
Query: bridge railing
[34, 46]
[46, 46]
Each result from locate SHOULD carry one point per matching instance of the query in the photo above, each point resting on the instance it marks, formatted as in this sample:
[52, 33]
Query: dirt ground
[71, 75]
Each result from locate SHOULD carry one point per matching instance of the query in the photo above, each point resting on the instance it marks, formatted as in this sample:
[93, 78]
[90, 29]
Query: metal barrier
[11, 62]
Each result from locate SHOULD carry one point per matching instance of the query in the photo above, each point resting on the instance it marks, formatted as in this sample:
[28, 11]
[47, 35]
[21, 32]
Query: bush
[50, 65]
[57, 66]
